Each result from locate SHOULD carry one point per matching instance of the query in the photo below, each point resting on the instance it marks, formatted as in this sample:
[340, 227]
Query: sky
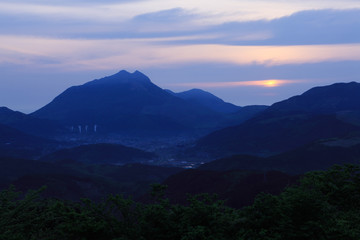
[244, 51]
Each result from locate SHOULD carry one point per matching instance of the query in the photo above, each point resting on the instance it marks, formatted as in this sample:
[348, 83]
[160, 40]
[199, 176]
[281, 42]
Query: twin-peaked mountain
[129, 103]
[320, 113]
[124, 104]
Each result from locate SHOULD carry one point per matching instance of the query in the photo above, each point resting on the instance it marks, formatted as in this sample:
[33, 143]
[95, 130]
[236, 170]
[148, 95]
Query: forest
[322, 205]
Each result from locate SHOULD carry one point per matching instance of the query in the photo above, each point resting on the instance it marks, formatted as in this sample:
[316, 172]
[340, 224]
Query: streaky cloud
[168, 15]
[326, 26]
[109, 53]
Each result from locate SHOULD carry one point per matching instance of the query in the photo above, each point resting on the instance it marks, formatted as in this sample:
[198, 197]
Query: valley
[93, 133]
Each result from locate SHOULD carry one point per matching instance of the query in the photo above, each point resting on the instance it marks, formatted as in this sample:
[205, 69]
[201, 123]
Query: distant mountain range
[260, 148]
[129, 103]
[28, 124]
[320, 113]
[126, 104]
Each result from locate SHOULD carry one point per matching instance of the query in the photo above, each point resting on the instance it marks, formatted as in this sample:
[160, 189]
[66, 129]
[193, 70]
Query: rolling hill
[320, 113]
[100, 154]
[74, 180]
[28, 124]
[311, 157]
[15, 143]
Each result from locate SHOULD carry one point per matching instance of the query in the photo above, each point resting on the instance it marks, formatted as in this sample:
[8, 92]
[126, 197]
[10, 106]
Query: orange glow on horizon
[272, 83]
[261, 83]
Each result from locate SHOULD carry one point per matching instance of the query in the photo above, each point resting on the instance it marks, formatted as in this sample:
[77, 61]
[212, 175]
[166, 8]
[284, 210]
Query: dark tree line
[324, 205]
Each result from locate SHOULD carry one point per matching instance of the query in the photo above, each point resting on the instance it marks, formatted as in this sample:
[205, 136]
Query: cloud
[169, 21]
[110, 53]
[167, 16]
[302, 28]
[141, 19]
[71, 2]
[172, 36]
[318, 27]
[104, 12]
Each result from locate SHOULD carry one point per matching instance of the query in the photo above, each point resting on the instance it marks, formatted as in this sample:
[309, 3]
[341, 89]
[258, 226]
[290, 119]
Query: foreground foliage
[324, 205]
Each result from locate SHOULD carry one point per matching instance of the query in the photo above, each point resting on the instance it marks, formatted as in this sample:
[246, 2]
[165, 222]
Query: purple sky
[245, 52]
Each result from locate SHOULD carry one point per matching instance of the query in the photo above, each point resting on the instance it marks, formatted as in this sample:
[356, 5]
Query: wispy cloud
[112, 53]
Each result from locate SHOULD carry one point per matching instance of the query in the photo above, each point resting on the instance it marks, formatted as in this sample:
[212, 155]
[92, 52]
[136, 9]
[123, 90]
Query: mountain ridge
[28, 124]
[207, 99]
[291, 123]
[129, 103]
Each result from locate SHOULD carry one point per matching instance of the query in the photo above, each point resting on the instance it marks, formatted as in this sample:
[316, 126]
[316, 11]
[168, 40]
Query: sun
[271, 83]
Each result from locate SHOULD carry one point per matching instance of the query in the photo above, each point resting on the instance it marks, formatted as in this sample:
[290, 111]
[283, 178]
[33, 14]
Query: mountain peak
[208, 100]
[199, 92]
[5, 109]
[122, 77]
[135, 75]
[6, 112]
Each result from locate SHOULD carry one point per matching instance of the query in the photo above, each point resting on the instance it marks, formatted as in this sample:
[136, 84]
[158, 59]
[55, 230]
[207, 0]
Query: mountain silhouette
[233, 114]
[208, 100]
[320, 113]
[327, 99]
[29, 124]
[127, 103]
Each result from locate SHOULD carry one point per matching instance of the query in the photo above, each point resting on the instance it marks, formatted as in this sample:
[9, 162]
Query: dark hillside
[320, 113]
[100, 154]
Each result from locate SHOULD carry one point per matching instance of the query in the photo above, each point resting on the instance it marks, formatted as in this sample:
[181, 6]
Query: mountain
[126, 103]
[15, 143]
[327, 99]
[233, 114]
[208, 100]
[100, 154]
[28, 124]
[320, 113]
[265, 136]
